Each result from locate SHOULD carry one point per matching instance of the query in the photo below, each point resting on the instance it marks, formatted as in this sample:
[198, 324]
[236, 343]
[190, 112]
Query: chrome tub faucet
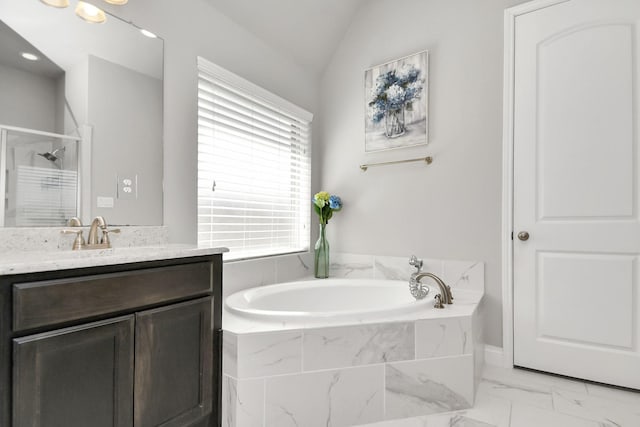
[419, 290]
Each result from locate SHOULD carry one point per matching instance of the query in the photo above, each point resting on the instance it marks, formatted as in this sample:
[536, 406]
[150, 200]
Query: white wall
[28, 100]
[192, 30]
[198, 29]
[125, 110]
[452, 208]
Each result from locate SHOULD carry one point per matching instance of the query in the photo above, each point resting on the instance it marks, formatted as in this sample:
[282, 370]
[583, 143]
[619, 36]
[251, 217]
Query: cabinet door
[173, 368]
[75, 377]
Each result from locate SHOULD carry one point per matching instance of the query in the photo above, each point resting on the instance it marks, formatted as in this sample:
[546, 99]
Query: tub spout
[419, 290]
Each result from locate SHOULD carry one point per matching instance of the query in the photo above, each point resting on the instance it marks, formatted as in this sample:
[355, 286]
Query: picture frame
[396, 103]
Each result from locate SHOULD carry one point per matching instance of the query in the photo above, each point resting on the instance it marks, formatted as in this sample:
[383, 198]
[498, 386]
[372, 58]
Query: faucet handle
[105, 235]
[415, 262]
[438, 303]
[79, 242]
[75, 222]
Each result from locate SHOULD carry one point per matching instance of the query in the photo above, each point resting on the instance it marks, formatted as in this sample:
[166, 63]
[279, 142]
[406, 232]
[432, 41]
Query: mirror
[88, 110]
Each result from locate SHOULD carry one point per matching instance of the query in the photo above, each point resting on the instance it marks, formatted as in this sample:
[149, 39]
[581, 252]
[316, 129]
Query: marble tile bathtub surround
[450, 336]
[457, 274]
[338, 347]
[22, 239]
[428, 386]
[244, 274]
[516, 403]
[243, 402]
[348, 375]
[325, 398]
[263, 354]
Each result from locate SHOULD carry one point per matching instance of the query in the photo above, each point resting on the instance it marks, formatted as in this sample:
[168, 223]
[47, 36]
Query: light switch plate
[104, 202]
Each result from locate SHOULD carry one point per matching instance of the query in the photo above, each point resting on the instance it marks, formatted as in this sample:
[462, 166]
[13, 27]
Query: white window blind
[254, 168]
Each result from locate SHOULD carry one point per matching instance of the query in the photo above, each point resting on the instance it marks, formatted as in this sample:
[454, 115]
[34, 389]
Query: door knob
[523, 235]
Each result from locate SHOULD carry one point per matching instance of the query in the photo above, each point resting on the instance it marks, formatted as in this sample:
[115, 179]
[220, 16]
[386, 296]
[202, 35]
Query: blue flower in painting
[395, 89]
[335, 203]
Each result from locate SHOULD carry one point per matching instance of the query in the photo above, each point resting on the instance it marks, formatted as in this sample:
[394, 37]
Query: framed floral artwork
[396, 101]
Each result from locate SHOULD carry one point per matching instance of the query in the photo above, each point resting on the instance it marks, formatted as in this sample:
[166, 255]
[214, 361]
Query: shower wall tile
[242, 402]
[293, 267]
[398, 268]
[351, 266]
[428, 386]
[230, 353]
[328, 398]
[450, 336]
[266, 354]
[346, 346]
[464, 275]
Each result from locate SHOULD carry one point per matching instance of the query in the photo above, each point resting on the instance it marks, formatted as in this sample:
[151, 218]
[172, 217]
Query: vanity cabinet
[132, 345]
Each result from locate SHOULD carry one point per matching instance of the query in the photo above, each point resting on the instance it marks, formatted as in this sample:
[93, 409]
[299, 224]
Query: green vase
[321, 260]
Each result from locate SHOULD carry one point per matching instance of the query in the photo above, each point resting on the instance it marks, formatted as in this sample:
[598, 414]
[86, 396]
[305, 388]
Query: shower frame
[83, 156]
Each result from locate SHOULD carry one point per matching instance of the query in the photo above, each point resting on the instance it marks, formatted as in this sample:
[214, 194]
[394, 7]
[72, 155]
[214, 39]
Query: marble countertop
[34, 261]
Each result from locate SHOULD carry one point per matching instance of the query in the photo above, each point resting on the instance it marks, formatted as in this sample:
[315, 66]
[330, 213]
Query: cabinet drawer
[50, 302]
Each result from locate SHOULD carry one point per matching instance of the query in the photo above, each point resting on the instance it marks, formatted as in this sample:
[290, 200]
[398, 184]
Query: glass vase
[321, 259]
[394, 123]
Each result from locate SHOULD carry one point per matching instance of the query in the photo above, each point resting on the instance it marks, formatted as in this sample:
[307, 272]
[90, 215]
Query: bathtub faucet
[419, 290]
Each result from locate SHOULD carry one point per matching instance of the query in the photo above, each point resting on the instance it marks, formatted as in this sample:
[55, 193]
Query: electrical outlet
[127, 187]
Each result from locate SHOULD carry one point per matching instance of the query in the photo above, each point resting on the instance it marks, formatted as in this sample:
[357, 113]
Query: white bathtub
[317, 300]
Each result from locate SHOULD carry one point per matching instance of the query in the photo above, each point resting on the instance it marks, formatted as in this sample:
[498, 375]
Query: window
[254, 167]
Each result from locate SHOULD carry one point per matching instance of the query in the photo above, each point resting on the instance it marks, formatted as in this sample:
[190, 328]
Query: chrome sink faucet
[104, 242]
[419, 290]
[93, 242]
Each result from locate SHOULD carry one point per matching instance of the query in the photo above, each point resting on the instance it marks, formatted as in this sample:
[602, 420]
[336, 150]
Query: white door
[576, 190]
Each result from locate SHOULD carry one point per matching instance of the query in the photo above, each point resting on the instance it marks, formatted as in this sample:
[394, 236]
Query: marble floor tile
[455, 420]
[527, 378]
[606, 412]
[533, 394]
[530, 416]
[617, 394]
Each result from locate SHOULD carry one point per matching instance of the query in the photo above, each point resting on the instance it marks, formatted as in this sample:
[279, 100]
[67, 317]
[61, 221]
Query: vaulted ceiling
[307, 30]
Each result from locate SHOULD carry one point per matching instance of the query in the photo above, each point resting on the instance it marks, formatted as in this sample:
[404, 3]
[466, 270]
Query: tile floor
[519, 398]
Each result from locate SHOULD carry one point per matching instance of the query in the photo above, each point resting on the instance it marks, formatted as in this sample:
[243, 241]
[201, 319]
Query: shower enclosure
[39, 183]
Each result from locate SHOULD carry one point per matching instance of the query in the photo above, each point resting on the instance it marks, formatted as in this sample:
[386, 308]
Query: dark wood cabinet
[173, 365]
[130, 345]
[75, 377]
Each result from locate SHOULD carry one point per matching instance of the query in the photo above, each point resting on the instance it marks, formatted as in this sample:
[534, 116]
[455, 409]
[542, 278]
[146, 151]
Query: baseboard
[493, 356]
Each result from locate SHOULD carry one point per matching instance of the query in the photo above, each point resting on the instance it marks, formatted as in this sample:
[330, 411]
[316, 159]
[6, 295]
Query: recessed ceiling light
[118, 2]
[90, 13]
[148, 33]
[56, 3]
[29, 56]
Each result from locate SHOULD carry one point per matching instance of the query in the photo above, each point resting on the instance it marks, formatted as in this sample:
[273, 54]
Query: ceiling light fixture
[90, 13]
[148, 33]
[29, 56]
[117, 2]
[56, 3]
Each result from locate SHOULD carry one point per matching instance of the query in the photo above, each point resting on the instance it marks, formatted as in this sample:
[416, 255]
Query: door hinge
[512, 235]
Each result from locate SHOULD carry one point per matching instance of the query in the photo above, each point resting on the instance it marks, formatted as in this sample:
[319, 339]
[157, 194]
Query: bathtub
[317, 301]
[358, 350]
